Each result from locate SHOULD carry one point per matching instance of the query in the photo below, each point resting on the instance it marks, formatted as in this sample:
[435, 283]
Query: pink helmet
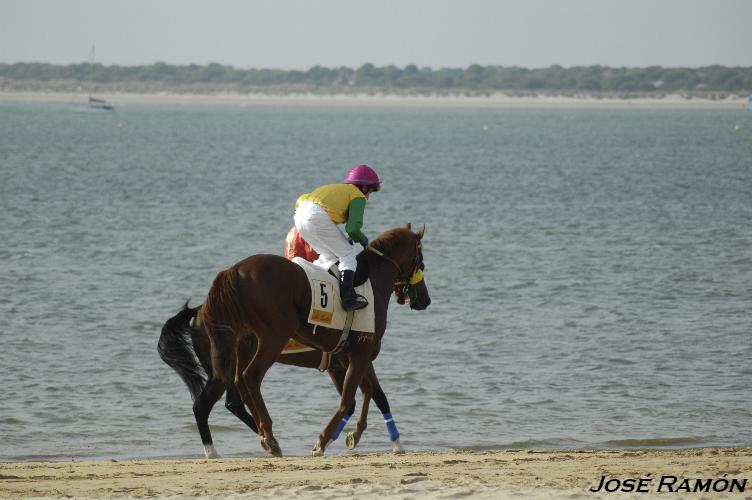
[363, 175]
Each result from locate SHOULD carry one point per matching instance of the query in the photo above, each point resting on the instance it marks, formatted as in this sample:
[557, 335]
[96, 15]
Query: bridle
[405, 280]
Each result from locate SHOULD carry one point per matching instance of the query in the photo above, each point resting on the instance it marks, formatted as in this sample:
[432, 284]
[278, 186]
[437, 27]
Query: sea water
[590, 272]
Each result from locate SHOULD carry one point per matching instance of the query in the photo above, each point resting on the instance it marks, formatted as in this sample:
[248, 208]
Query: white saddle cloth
[326, 306]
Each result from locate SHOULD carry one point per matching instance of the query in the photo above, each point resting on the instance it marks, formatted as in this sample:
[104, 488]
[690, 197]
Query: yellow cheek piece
[417, 277]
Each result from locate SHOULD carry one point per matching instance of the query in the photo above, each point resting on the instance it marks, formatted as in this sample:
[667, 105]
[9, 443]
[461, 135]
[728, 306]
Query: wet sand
[492, 474]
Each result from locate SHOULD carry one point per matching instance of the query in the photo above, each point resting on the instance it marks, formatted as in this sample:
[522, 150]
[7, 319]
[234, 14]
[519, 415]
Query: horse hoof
[397, 447]
[317, 451]
[270, 444]
[210, 452]
[352, 440]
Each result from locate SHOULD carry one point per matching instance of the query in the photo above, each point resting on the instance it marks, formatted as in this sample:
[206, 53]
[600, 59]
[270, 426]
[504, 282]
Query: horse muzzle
[420, 303]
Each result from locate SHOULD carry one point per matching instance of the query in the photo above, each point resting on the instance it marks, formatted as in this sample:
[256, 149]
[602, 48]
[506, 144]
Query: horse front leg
[380, 399]
[366, 388]
[337, 374]
[359, 361]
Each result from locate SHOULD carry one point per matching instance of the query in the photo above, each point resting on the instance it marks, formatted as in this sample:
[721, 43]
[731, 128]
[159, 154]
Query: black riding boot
[350, 300]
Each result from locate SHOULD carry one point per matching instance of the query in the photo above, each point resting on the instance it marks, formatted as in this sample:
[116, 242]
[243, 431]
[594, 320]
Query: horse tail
[176, 349]
[222, 316]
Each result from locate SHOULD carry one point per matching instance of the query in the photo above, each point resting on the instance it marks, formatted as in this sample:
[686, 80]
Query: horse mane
[389, 241]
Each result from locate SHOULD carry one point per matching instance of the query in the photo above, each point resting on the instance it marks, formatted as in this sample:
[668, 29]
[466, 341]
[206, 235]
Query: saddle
[326, 306]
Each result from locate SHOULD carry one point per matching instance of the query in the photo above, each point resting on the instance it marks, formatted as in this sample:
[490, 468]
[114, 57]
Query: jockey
[316, 217]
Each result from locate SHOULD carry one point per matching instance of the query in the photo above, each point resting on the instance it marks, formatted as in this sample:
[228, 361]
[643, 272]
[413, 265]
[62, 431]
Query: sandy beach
[496, 100]
[722, 472]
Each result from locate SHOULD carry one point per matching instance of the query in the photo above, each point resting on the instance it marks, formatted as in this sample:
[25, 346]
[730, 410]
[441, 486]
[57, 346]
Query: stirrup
[354, 303]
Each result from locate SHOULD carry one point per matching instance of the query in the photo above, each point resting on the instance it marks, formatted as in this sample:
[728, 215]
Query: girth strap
[345, 332]
[326, 357]
[326, 360]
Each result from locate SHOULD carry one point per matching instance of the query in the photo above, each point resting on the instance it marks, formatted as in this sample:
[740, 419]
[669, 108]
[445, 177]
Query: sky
[299, 34]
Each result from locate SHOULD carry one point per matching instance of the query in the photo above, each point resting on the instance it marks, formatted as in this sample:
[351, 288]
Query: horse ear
[409, 226]
[421, 231]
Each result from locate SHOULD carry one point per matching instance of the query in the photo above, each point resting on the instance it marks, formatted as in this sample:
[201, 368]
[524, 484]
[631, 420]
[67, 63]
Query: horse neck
[383, 275]
[383, 270]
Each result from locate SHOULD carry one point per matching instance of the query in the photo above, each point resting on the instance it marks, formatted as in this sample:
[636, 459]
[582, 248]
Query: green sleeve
[355, 219]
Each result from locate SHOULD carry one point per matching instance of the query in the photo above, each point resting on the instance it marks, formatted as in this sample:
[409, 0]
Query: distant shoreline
[493, 100]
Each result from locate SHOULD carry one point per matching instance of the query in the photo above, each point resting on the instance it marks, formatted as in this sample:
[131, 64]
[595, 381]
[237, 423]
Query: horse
[185, 349]
[264, 300]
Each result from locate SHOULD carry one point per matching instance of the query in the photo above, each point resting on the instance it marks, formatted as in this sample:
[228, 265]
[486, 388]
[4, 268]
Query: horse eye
[422, 266]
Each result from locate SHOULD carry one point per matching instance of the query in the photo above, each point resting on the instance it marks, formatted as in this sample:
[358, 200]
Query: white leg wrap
[210, 452]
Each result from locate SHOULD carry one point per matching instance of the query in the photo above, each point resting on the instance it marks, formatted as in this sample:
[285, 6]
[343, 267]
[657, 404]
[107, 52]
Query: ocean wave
[658, 442]
[553, 443]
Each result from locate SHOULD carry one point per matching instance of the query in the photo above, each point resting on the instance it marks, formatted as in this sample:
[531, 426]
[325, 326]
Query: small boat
[94, 102]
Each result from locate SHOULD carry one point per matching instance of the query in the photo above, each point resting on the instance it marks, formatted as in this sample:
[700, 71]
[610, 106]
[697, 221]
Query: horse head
[413, 290]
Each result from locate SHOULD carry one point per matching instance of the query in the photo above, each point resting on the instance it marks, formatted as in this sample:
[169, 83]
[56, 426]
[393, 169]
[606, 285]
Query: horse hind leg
[249, 381]
[202, 407]
[234, 404]
[234, 401]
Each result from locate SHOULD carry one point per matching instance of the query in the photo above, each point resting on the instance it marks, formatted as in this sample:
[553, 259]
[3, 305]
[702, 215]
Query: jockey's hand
[364, 242]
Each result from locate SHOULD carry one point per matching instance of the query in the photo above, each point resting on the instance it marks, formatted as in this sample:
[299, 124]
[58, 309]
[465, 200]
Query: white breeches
[318, 229]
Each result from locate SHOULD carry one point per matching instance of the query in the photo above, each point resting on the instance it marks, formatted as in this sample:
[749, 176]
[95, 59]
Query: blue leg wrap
[391, 426]
[339, 428]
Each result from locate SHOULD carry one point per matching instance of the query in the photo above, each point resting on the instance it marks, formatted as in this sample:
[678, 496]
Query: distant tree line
[473, 78]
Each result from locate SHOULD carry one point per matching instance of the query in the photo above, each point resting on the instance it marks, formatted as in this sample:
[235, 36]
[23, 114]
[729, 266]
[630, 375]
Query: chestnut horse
[264, 300]
[185, 349]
